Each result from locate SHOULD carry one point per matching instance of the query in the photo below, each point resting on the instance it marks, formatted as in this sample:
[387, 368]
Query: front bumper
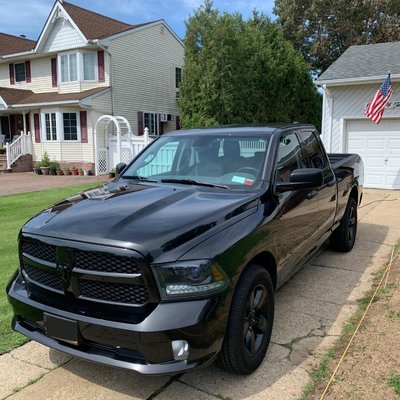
[144, 347]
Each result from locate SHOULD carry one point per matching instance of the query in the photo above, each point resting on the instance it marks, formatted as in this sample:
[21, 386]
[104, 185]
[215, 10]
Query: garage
[379, 148]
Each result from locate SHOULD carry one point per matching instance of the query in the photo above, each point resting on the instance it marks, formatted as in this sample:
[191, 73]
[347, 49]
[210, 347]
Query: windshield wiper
[139, 178]
[193, 182]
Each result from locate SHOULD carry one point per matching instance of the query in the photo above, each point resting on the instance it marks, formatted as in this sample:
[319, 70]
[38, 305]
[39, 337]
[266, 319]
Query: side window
[313, 148]
[290, 156]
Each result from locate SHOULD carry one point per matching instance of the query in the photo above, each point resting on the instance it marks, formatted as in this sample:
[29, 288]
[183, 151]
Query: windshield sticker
[248, 182]
[238, 179]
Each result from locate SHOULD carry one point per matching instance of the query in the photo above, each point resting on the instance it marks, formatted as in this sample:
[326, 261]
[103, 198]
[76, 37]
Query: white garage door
[379, 148]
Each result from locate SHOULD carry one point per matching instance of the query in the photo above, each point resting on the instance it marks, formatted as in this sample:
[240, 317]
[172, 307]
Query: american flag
[376, 108]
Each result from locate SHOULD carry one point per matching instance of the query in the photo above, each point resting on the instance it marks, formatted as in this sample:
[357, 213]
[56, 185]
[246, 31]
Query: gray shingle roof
[365, 61]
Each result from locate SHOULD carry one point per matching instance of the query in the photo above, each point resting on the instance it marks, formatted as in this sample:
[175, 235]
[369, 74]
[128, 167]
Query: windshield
[223, 161]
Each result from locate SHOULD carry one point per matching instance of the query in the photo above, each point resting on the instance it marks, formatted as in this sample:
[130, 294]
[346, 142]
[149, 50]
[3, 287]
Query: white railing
[20, 146]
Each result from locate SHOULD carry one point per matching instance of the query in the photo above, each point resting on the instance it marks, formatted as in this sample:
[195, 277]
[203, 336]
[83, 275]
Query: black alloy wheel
[250, 322]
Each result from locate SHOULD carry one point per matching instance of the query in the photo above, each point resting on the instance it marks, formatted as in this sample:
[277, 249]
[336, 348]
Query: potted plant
[45, 164]
[66, 171]
[80, 171]
[2, 150]
[59, 170]
[53, 167]
[111, 174]
[74, 170]
[86, 172]
[37, 169]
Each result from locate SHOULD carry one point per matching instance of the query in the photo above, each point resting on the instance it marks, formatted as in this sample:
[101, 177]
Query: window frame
[156, 123]
[80, 71]
[15, 72]
[59, 125]
[178, 77]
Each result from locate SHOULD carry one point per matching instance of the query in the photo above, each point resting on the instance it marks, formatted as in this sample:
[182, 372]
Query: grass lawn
[14, 212]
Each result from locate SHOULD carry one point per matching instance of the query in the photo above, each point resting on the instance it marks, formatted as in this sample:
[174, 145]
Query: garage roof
[365, 61]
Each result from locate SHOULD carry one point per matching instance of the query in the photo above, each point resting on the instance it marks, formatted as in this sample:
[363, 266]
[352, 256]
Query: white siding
[144, 73]
[63, 37]
[349, 103]
[40, 76]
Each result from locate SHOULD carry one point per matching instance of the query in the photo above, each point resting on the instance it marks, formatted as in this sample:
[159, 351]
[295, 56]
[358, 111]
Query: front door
[17, 124]
[5, 127]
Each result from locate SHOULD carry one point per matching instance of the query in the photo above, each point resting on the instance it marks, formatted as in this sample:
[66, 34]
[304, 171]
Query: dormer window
[79, 66]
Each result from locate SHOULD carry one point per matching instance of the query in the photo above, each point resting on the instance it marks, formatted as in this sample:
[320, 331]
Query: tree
[243, 72]
[323, 29]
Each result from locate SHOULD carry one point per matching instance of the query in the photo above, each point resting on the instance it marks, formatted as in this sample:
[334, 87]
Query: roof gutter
[47, 103]
[356, 81]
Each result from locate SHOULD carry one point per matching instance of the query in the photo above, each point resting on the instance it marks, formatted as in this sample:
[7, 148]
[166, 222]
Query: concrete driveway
[310, 312]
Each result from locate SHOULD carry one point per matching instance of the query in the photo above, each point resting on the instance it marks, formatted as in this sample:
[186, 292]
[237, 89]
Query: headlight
[189, 279]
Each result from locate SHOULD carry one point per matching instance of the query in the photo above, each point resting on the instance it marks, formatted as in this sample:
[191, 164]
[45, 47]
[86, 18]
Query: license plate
[61, 328]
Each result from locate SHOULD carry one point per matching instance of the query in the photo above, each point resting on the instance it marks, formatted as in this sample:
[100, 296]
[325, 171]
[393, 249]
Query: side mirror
[120, 167]
[304, 178]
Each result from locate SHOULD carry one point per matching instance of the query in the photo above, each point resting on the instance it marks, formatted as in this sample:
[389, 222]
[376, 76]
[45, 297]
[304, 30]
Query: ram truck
[174, 263]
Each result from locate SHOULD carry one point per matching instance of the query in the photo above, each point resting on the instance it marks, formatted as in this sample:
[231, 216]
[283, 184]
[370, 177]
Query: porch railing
[20, 146]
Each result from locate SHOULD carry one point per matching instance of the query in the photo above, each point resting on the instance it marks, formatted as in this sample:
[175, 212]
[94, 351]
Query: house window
[89, 66]
[69, 67]
[51, 126]
[70, 126]
[78, 67]
[151, 122]
[19, 72]
[178, 77]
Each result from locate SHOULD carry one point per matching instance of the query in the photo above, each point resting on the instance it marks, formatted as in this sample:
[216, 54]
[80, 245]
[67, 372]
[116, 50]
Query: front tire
[344, 236]
[250, 323]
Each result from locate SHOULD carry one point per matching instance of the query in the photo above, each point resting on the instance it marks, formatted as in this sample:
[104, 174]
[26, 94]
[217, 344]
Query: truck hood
[153, 219]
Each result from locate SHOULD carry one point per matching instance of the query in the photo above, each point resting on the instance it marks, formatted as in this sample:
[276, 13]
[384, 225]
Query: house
[349, 85]
[82, 66]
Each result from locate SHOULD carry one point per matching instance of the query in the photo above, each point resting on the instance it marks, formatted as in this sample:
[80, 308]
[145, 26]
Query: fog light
[180, 348]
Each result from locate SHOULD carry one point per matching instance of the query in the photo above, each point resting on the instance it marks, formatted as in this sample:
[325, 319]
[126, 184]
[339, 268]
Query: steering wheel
[251, 170]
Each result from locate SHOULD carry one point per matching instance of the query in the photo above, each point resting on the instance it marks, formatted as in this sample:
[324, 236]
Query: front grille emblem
[65, 265]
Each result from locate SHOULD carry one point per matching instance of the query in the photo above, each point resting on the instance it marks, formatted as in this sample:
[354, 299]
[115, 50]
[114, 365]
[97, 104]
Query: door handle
[331, 183]
[311, 195]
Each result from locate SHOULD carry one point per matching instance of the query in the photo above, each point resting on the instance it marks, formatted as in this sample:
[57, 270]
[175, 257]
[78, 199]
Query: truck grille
[89, 275]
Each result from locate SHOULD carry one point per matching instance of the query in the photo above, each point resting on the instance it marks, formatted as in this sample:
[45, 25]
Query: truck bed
[338, 160]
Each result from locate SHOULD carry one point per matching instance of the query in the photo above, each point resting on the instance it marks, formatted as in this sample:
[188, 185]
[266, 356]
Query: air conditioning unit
[164, 117]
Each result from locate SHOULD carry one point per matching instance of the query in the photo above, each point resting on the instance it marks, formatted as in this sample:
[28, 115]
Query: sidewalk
[14, 183]
[311, 310]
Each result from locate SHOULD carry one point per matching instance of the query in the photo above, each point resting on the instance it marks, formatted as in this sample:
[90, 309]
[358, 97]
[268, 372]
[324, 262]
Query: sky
[27, 17]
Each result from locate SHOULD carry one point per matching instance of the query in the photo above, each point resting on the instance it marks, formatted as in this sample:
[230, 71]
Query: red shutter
[84, 137]
[100, 65]
[27, 122]
[54, 72]
[140, 123]
[160, 126]
[177, 123]
[27, 71]
[12, 78]
[37, 127]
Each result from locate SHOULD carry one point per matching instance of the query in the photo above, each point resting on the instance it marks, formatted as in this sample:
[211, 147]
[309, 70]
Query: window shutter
[160, 126]
[100, 65]
[27, 71]
[37, 127]
[84, 137]
[54, 72]
[177, 123]
[140, 123]
[12, 78]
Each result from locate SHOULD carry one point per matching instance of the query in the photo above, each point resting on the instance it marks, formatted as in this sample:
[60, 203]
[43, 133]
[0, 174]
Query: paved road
[311, 310]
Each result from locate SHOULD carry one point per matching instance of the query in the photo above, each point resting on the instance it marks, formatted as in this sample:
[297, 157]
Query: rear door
[316, 158]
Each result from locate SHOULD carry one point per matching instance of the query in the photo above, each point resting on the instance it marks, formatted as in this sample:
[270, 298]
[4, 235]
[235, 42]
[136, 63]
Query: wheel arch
[267, 261]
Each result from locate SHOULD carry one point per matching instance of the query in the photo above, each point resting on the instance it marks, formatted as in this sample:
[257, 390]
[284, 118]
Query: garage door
[379, 148]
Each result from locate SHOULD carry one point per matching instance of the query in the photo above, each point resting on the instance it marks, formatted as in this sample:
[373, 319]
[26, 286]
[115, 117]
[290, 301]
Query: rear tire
[344, 236]
[250, 323]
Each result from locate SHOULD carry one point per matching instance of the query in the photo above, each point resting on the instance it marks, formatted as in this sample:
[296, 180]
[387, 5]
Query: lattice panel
[126, 156]
[102, 161]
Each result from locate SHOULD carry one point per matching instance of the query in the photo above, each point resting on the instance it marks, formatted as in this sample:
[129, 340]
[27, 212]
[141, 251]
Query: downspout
[111, 75]
[331, 100]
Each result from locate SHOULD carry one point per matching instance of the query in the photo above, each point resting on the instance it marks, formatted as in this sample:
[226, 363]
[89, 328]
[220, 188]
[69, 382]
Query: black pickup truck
[174, 264]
